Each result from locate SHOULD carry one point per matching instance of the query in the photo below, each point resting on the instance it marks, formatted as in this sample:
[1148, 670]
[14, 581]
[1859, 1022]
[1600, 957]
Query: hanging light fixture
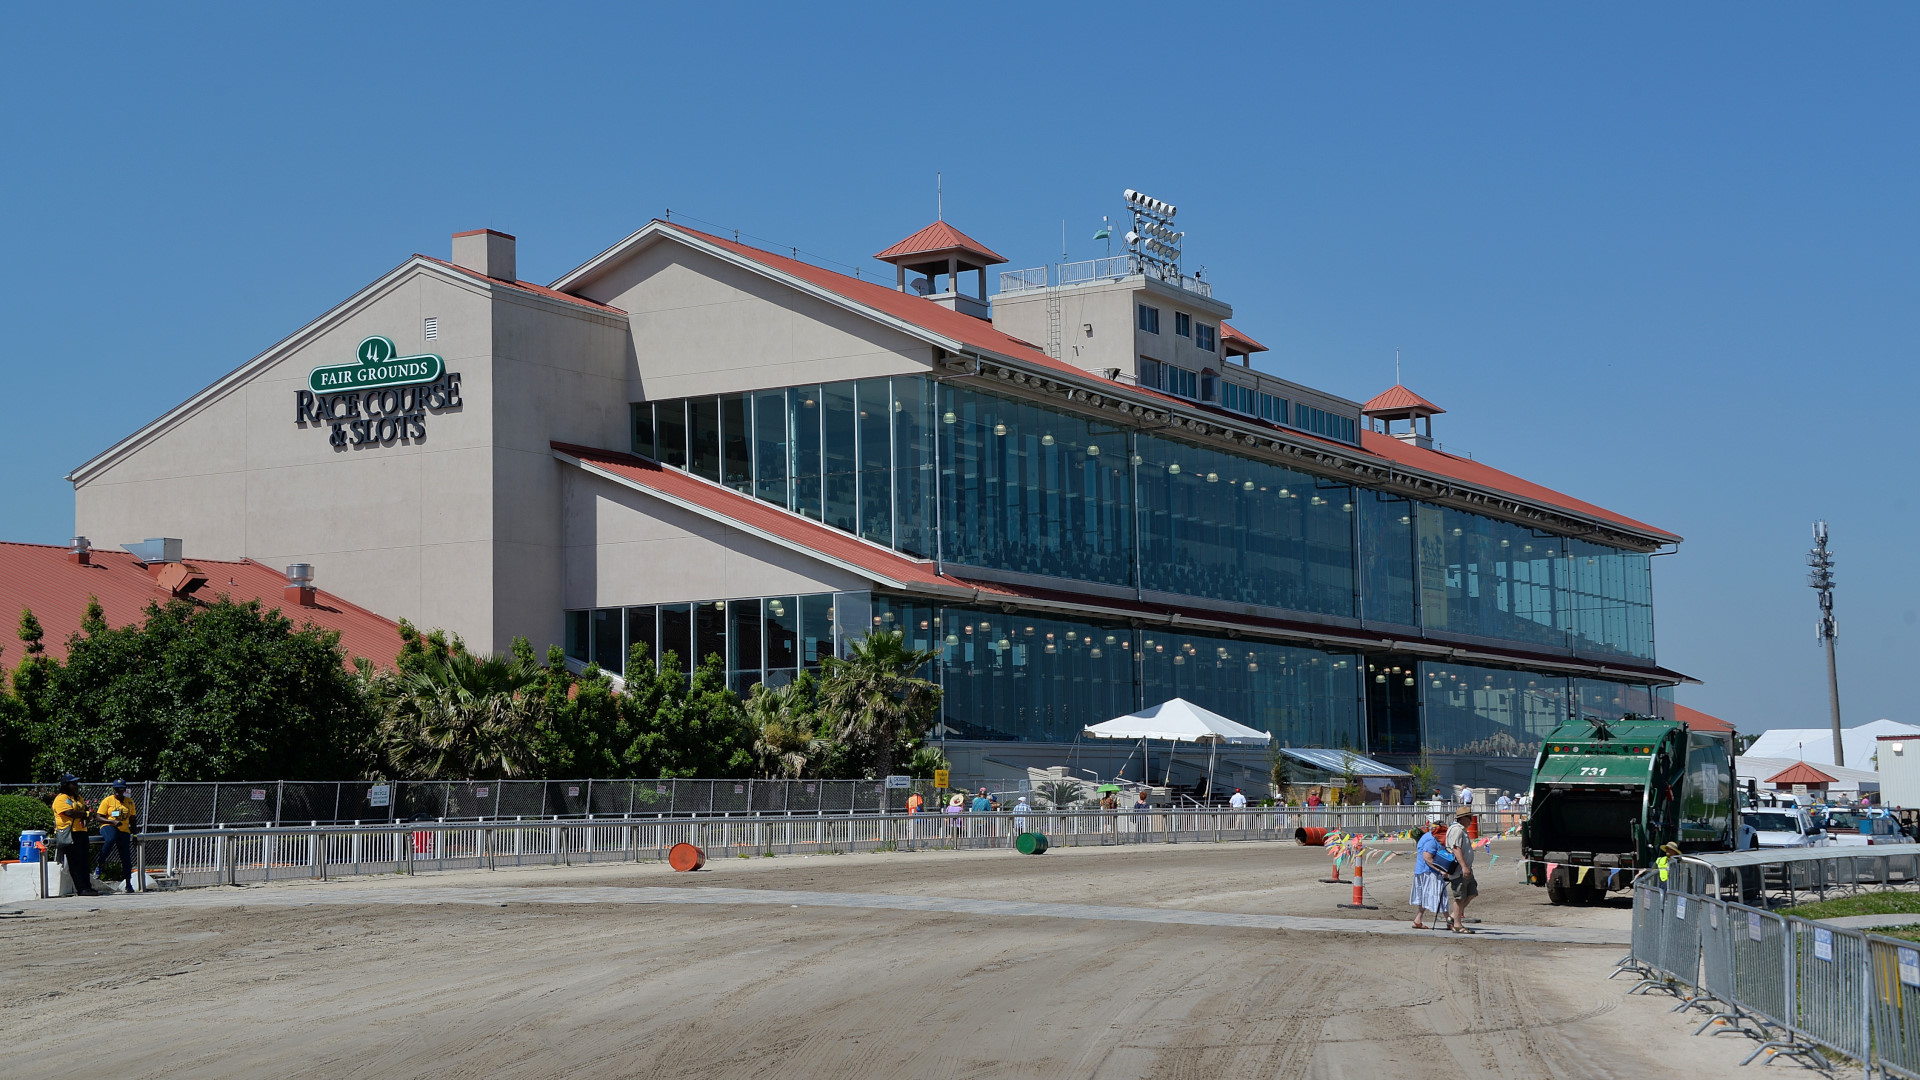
[1174, 469]
[1046, 440]
[999, 429]
[948, 417]
[1093, 450]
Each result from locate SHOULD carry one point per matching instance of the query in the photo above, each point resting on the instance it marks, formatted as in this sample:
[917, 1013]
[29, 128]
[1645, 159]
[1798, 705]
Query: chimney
[299, 590]
[80, 551]
[485, 251]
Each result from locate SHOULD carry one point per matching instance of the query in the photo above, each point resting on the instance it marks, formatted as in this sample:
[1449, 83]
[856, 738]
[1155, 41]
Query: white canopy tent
[1181, 721]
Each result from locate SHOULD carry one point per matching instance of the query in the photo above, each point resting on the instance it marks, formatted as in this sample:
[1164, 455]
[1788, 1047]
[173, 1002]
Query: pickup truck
[1857, 828]
[1784, 827]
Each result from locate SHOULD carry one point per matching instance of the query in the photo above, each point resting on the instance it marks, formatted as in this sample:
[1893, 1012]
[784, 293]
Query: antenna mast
[1821, 580]
[939, 197]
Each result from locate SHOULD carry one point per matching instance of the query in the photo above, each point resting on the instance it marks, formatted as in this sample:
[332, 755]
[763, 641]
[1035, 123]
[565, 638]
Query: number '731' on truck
[1608, 795]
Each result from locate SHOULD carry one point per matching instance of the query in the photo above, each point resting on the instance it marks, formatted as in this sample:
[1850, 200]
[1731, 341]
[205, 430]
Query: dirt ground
[521, 972]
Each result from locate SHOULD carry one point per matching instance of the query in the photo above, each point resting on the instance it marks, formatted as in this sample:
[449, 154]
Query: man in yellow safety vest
[1668, 850]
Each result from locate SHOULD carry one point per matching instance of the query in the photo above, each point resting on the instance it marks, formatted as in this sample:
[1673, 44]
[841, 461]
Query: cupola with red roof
[942, 249]
[1400, 403]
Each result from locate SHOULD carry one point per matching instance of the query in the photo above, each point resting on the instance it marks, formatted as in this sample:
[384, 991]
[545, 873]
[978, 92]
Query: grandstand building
[1075, 486]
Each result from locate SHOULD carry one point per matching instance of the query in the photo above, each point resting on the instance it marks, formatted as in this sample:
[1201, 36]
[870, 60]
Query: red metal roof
[524, 286]
[1399, 399]
[940, 237]
[983, 335]
[1230, 336]
[40, 576]
[1699, 721]
[1800, 773]
[832, 544]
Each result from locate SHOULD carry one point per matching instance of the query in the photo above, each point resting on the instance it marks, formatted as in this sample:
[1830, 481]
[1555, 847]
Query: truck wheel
[1556, 892]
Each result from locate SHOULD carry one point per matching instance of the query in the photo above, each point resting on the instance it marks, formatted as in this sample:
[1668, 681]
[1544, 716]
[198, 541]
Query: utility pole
[1821, 579]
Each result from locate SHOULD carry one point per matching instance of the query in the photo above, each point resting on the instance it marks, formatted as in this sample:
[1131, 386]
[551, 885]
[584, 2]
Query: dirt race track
[878, 965]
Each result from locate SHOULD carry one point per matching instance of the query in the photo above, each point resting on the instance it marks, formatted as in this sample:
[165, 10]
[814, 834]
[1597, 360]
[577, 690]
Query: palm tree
[874, 696]
[462, 716]
[785, 743]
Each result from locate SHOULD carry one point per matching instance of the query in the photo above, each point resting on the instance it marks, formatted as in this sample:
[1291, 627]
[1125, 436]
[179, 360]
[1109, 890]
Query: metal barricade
[1648, 913]
[1761, 972]
[1830, 980]
[1895, 998]
[1680, 939]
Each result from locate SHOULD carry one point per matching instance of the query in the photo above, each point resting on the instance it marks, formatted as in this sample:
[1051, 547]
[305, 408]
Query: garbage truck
[1608, 794]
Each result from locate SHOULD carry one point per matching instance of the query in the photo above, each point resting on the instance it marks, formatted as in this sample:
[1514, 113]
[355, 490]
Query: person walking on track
[1462, 884]
[1429, 880]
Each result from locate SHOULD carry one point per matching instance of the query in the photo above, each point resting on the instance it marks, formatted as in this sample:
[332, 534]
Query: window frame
[1145, 314]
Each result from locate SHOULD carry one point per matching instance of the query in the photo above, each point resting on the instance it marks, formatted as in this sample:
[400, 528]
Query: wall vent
[432, 328]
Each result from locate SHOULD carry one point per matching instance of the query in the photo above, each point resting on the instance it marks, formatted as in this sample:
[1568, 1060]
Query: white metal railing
[232, 855]
[1090, 270]
[1032, 279]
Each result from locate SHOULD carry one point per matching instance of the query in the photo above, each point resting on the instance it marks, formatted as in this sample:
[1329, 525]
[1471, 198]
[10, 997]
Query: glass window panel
[579, 635]
[1305, 697]
[1490, 711]
[913, 479]
[1222, 526]
[875, 402]
[1386, 558]
[642, 428]
[676, 635]
[770, 446]
[703, 437]
[743, 637]
[1023, 678]
[1488, 578]
[736, 447]
[1033, 490]
[803, 437]
[1392, 688]
[839, 467]
[782, 623]
[670, 429]
[608, 648]
[641, 630]
[853, 618]
[816, 629]
[710, 631]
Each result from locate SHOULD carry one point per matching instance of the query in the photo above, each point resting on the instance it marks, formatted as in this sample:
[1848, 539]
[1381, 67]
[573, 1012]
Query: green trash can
[1030, 843]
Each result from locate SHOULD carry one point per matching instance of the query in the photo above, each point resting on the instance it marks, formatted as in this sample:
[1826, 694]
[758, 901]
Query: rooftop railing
[1091, 271]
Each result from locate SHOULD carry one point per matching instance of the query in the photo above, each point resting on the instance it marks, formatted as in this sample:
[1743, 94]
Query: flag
[1106, 231]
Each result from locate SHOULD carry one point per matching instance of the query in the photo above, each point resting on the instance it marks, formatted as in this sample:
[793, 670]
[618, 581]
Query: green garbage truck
[1608, 794]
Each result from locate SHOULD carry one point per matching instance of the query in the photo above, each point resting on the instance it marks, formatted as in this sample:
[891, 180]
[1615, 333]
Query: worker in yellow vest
[1669, 850]
[72, 822]
[117, 814]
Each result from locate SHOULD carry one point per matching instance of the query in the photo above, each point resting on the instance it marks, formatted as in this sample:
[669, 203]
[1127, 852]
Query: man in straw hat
[1464, 887]
[1668, 850]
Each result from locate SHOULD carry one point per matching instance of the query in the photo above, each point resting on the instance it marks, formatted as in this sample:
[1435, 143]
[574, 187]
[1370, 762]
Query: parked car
[1859, 828]
[1784, 827]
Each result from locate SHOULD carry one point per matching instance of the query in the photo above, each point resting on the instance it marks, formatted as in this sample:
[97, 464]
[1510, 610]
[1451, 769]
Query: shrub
[18, 813]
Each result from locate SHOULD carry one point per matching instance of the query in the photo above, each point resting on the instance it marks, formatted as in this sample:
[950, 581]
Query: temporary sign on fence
[940, 778]
[1753, 926]
[1909, 967]
[1680, 907]
[379, 795]
[259, 794]
[479, 793]
[1822, 944]
[899, 781]
[1713, 917]
[573, 791]
[1646, 900]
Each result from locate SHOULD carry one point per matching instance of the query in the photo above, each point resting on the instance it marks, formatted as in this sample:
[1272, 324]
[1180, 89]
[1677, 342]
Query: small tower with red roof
[1400, 403]
[940, 249]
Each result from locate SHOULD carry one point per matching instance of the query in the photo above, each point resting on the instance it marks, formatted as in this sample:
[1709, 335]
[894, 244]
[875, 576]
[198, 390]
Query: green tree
[220, 691]
[788, 740]
[458, 716]
[876, 698]
[686, 728]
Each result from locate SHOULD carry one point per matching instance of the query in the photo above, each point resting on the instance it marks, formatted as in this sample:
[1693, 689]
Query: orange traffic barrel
[1311, 835]
[1473, 827]
[685, 857]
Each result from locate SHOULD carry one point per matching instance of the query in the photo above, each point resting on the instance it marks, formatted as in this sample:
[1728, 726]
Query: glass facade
[977, 479]
[762, 639]
[1029, 678]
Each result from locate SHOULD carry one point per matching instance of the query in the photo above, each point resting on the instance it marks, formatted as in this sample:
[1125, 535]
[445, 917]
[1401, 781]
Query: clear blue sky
[1662, 260]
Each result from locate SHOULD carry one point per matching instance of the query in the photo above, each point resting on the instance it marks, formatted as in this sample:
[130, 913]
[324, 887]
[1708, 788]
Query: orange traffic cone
[1359, 891]
[1335, 879]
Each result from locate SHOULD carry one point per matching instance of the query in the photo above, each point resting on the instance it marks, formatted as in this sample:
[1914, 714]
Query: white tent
[1815, 745]
[1178, 721]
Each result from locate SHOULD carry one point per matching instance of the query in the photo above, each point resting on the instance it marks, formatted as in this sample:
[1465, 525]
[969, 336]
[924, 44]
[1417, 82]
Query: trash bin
[1030, 843]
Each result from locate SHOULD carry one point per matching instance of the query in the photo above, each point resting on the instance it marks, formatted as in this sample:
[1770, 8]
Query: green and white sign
[376, 366]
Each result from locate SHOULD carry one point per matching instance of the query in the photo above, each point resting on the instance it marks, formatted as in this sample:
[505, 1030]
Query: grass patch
[1878, 903]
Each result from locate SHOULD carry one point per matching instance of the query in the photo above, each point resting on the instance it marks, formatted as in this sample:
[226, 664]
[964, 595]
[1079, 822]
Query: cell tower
[1821, 579]
[1152, 240]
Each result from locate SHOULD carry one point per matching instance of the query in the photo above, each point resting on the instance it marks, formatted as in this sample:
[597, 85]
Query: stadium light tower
[1821, 579]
